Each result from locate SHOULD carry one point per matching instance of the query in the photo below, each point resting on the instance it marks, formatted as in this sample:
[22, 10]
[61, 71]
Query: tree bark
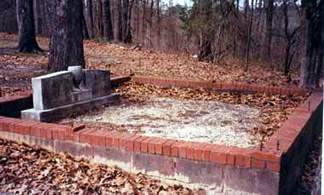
[84, 26]
[38, 16]
[120, 21]
[66, 44]
[124, 21]
[144, 22]
[100, 19]
[151, 22]
[127, 16]
[158, 21]
[206, 33]
[312, 66]
[108, 29]
[268, 40]
[26, 27]
[89, 17]
[249, 37]
[205, 49]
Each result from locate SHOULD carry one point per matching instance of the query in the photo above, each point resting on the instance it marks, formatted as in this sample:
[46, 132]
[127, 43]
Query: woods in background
[285, 34]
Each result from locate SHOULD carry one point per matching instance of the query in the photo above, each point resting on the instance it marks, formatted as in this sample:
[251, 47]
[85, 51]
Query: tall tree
[268, 39]
[290, 36]
[312, 64]
[89, 17]
[249, 36]
[108, 29]
[124, 20]
[26, 27]
[203, 18]
[127, 15]
[85, 28]
[151, 22]
[144, 3]
[158, 23]
[120, 21]
[66, 43]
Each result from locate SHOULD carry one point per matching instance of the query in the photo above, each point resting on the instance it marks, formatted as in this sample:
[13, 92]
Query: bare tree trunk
[137, 19]
[120, 21]
[205, 50]
[66, 44]
[84, 25]
[26, 27]
[268, 40]
[144, 22]
[249, 36]
[127, 14]
[151, 22]
[100, 19]
[288, 39]
[235, 45]
[108, 29]
[312, 66]
[89, 17]
[38, 16]
[158, 15]
[207, 36]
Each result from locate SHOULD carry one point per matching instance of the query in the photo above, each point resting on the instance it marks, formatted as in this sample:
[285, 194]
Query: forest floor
[30, 170]
[17, 69]
[124, 60]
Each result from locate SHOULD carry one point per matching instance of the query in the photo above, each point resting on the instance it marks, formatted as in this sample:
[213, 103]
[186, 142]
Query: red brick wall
[278, 153]
[218, 86]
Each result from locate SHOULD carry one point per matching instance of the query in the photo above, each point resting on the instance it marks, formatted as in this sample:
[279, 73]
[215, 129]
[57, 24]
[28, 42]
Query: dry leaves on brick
[28, 170]
[274, 108]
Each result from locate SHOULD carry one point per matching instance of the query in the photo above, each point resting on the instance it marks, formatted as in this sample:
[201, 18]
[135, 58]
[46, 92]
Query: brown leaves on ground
[28, 170]
[19, 59]
[122, 59]
[274, 108]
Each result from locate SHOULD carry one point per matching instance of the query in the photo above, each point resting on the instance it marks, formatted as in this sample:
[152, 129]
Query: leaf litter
[32, 170]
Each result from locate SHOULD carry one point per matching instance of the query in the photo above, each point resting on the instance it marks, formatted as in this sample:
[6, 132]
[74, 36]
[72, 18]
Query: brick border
[233, 156]
[269, 158]
[118, 80]
[218, 86]
[285, 136]
[272, 158]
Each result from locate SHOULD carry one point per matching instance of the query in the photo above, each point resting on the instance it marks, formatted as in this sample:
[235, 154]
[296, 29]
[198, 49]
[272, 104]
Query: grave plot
[153, 130]
[230, 119]
[189, 120]
[252, 139]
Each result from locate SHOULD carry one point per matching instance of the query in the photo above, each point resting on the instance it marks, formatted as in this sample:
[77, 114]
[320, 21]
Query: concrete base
[68, 110]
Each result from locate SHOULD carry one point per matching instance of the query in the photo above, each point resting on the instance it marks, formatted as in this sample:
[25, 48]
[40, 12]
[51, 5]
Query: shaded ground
[27, 170]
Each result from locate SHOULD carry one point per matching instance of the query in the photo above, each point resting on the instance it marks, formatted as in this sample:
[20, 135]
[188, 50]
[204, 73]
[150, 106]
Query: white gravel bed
[201, 121]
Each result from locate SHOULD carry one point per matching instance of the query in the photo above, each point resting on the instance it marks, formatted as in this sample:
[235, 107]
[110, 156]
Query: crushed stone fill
[200, 121]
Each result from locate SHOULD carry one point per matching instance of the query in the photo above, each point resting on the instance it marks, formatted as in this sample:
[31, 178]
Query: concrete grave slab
[61, 94]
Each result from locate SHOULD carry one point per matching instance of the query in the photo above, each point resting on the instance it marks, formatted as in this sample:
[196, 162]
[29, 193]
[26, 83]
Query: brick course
[218, 86]
[242, 158]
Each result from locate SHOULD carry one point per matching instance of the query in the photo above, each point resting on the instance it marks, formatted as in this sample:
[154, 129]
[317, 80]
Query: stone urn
[77, 75]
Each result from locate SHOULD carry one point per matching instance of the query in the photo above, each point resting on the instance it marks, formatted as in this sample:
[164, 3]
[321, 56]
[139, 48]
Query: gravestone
[72, 92]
